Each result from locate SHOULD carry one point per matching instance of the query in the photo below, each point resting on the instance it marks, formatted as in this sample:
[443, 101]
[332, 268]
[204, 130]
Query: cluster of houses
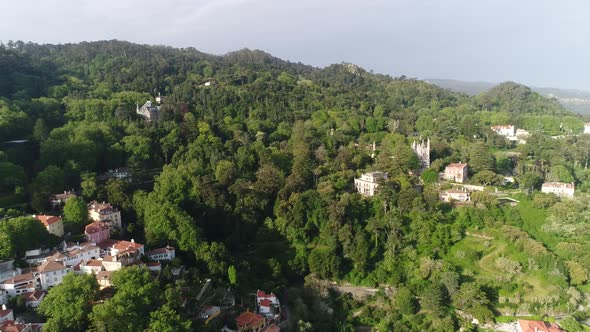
[269, 310]
[512, 134]
[368, 183]
[99, 255]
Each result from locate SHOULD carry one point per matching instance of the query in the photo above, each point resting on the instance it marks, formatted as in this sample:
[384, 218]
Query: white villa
[560, 189]
[368, 182]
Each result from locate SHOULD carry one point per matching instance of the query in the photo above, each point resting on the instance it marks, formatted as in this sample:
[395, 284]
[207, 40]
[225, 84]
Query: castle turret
[422, 150]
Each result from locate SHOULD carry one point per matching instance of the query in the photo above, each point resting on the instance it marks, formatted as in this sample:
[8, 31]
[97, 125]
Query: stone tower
[422, 150]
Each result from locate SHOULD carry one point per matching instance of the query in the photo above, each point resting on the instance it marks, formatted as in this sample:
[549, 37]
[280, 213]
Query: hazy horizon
[537, 43]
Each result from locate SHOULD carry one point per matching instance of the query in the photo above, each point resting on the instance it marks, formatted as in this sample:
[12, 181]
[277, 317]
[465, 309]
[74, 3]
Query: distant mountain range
[577, 101]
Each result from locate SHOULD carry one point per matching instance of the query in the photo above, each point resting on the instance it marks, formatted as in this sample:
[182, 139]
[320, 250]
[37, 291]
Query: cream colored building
[105, 212]
[368, 182]
[53, 224]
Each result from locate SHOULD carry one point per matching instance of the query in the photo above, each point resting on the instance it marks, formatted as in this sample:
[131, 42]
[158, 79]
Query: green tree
[166, 319]
[137, 293]
[68, 304]
[75, 211]
[232, 274]
[405, 301]
[429, 176]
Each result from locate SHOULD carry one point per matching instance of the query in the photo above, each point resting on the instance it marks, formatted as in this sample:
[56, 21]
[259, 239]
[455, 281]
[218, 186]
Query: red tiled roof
[95, 227]
[265, 303]
[50, 266]
[19, 278]
[456, 165]
[34, 296]
[248, 319]
[48, 220]
[538, 326]
[94, 262]
[558, 185]
[273, 328]
[159, 251]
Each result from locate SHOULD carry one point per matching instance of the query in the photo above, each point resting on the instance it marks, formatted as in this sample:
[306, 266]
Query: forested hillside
[251, 168]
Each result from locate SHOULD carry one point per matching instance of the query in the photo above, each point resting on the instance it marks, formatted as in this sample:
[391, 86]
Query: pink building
[456, 172]
[97, 232]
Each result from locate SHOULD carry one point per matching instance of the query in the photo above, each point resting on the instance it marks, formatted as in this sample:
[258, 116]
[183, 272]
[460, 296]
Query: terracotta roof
[248, 319]
[262, 295]
[34, 296]
[160, 251]
[48, 220]
[64, 196]
[272, 328]
[101, 207]
[456, 165]
[502, 127]
[119, 244]
[50, 266]
[4, 313]
[538, 326]
[96, 227]
[456, 191]
[19, 278]
[265, 303]
[153, 264]
[93, 262]
[558, 185]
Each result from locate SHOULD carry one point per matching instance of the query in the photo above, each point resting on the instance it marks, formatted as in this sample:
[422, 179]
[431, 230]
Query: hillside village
[255, 194]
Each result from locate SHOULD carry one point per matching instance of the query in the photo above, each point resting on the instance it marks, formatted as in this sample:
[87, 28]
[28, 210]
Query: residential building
[14, 326]
[560, 189]
[154, 266]
[118, 254]
[249, 321]
[117, 173]
[504, 130]
[91, 266]
[3, 296]
[455, 195]
[51, 273]
[33, 299]
[60, 199]
[97, 231]
[537, 326]
[6, 314]
[105, 212]
[422, 150]
[268, 304]
[149, 111]
[53, 224]
[368, 182]
[37, 256]
[19, 284]
[74, 254]
[162, 254]
[104, 279]
[456, 172]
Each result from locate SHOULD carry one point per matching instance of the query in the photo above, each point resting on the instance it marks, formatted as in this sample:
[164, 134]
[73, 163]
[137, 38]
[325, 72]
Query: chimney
[4, 307]
[132, 241]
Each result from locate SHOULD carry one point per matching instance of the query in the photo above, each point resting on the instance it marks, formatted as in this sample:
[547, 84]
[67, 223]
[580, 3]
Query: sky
[534, 42]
